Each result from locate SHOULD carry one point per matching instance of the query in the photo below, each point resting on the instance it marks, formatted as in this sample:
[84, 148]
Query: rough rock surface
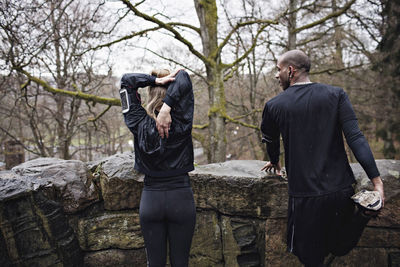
[110, 230]
[67, 213]
[251, 192]
[33, 199]
[116, 257]
[121, 184]
[13, 185]
[207, 243]
[35, 232]
[66, 181]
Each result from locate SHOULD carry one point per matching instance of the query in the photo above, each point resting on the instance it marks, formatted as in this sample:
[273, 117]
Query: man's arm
[378, 186]
[358, 144]
[270, 133]
[361, 150]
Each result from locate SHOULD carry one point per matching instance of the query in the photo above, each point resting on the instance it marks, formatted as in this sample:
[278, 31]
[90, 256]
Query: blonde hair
[156, 93]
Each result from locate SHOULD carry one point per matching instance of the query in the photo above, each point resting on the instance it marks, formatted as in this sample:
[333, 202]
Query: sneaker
[370, 200]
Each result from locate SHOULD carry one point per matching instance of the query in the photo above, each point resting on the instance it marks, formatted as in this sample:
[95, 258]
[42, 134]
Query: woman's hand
[163, 121]
[167, 79]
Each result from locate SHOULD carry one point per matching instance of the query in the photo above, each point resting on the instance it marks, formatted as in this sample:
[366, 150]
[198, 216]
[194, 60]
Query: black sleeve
[133, 81]
[270, 135]
[361, 150]
[178, 88]
[136, 113]
[355, 139]
[273, 150]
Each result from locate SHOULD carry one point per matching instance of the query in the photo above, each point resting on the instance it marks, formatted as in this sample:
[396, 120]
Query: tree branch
[77, 94]
[239, 25]
[332, 70]
[127, 37]
[202, 126]
[184, 25]
[248, 114]
[167, 27]
[140, 33]
[241, 123]
[231, 72]
[100, 115]
[18, 141]
[320, 21]
[178, 63]
[248, 51]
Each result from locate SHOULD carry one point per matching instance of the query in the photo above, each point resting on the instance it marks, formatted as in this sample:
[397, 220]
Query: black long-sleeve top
[311, 119]
[154, 156]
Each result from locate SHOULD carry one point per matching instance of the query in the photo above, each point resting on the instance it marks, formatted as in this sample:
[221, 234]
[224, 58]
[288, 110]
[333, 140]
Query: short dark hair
[298, 59]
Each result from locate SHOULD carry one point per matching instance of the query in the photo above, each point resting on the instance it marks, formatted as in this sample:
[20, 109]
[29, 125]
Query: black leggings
[167, 215]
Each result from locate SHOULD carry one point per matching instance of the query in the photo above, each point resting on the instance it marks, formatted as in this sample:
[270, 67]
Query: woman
[167, 211]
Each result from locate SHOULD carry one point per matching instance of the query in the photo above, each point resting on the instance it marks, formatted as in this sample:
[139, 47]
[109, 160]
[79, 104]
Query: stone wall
[66, 213]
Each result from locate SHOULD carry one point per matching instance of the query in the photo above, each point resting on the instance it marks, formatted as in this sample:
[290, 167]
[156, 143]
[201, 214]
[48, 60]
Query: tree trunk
[208, 18]
[292, 24]
[338, 61]
[338, 37]
[217, 129]
[89, 157]
[389, 72]
[63, 145]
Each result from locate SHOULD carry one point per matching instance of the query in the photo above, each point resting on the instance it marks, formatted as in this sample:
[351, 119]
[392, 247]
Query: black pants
[324, 224]
[167, 216]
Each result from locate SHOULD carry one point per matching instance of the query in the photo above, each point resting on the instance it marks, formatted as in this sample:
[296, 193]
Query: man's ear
[290, 71]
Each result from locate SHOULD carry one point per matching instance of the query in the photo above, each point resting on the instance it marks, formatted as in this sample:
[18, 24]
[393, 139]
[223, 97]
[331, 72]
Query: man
[311, 118]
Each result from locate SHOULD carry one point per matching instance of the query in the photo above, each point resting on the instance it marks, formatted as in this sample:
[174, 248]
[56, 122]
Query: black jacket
[311, 119]
[155, 156]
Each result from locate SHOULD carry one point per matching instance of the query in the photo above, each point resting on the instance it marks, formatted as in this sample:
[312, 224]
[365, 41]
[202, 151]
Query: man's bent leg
[307, 222]
[349, 224]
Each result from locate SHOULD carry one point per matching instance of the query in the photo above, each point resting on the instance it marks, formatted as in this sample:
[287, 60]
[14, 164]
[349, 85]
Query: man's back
[310, 116]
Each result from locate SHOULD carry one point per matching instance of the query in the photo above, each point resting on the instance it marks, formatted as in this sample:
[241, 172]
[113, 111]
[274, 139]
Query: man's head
[293, 66]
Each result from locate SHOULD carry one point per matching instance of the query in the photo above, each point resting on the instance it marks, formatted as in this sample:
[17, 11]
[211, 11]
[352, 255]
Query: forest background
[61, 62]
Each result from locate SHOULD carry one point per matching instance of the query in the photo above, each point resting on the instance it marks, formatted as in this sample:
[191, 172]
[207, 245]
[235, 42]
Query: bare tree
[389, 81]
[218, 67]
[217, 54]
[47, 38]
